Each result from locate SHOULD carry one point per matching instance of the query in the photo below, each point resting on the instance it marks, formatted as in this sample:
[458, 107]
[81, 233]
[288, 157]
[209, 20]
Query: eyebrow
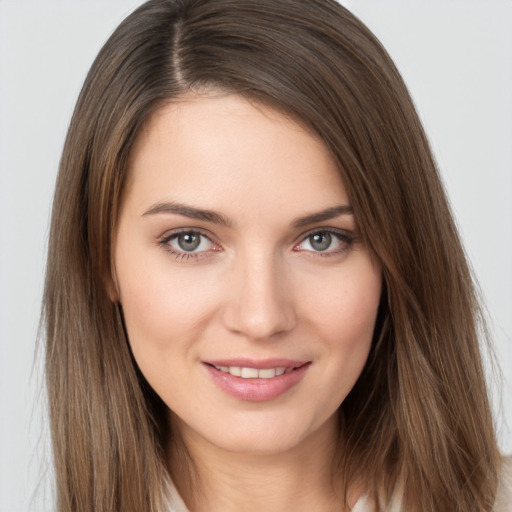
[327, 214]
[217, 218]
[188, 211]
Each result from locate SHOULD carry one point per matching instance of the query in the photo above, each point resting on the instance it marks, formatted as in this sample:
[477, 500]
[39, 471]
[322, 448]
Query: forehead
[223, 151]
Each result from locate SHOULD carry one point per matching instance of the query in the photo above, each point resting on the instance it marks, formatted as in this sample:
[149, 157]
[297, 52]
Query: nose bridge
[261, 302]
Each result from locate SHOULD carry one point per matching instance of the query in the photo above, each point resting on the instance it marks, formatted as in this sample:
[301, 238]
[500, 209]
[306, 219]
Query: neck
[299, 479]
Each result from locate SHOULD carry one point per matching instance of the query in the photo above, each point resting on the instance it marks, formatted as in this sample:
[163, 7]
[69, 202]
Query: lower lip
[256, 390]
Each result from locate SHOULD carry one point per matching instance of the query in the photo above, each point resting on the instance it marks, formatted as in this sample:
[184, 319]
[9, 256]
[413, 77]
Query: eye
[324, 241]
[188, 243]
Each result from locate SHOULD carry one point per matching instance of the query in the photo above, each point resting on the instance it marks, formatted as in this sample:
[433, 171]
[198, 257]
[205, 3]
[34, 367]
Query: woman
[256, 296]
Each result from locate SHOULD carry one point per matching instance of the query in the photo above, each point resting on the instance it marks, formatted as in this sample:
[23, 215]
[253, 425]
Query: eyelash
[345, 239]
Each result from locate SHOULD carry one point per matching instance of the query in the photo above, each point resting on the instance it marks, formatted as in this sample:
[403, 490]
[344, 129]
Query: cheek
[344, 314]
[345, 308]
[164, 310]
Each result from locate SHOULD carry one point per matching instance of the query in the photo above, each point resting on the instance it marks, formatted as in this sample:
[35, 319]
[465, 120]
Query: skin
[256, 287]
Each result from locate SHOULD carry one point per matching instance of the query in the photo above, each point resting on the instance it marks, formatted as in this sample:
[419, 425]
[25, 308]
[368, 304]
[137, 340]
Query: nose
[260, 304]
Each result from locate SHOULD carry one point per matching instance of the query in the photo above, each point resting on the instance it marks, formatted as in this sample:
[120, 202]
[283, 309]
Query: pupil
[189, 241]
[321, 241]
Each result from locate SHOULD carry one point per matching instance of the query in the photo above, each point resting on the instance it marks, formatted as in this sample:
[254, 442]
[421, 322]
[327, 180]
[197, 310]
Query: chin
[261, 443]
[271, 435]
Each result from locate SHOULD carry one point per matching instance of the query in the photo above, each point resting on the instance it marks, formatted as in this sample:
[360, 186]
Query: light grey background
[456, 56]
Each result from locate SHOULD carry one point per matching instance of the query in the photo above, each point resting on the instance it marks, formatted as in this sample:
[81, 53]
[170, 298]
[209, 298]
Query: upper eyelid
[174, 232]
[336, 231]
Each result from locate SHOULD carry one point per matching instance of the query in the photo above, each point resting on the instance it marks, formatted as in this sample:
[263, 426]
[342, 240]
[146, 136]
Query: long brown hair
[417, 426]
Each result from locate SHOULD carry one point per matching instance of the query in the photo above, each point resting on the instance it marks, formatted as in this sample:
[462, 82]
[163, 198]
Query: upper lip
[257, 363]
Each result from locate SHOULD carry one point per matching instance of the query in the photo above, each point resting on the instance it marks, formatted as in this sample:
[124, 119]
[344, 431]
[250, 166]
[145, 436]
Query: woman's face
[248, 294]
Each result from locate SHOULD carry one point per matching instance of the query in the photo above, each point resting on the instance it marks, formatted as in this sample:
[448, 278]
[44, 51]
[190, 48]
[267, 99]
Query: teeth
[235, 370]
[249, 373]
[267, 373]
[254, 373]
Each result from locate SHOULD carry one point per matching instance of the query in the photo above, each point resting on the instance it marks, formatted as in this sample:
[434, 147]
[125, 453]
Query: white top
[176, 503]
[503, 501]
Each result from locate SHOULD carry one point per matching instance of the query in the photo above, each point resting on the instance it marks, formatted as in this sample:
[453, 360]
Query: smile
[256, 380]
[254, 373]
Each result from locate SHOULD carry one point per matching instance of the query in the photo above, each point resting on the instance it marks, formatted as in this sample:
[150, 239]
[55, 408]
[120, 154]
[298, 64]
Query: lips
[256, 380]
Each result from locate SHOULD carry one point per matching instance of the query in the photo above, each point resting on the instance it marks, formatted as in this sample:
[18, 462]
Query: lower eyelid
[184, 255]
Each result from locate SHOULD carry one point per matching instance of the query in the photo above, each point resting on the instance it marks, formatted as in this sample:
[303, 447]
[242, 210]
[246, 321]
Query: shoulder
[504, 498]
